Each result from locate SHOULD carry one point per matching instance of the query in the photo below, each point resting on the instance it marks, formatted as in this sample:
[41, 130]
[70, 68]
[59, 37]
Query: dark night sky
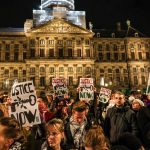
[102, 13]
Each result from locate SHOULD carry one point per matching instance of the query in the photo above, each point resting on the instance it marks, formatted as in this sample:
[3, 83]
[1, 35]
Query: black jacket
[118, 121]
[69, 142]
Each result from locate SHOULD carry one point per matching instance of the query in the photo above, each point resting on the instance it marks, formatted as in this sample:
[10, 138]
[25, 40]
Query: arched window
[142, 69]
[117, 71]
[101, 70]
[109, 70]
[42, 69]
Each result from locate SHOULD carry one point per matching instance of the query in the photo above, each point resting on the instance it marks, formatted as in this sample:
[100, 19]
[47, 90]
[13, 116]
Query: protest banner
[148, 85]
[104, 95]
[24, 105]
[86, 89]
[59, 86]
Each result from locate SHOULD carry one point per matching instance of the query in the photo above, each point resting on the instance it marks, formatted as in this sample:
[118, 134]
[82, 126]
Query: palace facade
[57, 43]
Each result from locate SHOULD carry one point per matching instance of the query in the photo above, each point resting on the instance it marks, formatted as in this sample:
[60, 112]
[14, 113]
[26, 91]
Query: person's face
[4, 142]
[41, 104]
[136, 105]
[79, 116]
[54, 136]
[119, 100]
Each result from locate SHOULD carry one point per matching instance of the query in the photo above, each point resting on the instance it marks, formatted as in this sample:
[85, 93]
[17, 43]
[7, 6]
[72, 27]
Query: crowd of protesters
[68, 123]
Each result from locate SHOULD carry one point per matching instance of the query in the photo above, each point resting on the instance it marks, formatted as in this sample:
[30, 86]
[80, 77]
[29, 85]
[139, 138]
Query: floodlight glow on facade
[50, 3]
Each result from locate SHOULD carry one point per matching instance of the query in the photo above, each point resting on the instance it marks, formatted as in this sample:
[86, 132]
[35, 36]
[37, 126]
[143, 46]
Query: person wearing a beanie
[136, 105]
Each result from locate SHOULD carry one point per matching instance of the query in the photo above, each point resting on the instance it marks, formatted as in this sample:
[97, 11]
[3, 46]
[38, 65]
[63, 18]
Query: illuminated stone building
[57, 43]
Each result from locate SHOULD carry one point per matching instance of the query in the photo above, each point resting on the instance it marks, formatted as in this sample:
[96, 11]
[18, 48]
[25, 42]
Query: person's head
[119, 99]
[148, 97]
[10, 132]
[79, 111]
[42, 104]
[95, 139]
[137, 104]
[55, 132]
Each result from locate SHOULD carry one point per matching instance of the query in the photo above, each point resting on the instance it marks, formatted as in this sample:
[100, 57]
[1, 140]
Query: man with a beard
[119, 119]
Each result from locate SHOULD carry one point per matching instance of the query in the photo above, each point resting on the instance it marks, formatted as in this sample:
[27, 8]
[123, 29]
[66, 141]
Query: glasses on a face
[54, 134]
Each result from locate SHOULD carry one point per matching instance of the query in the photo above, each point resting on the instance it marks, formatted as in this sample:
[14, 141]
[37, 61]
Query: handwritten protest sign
[24, 105]
[86, 89]
[59, 86]
[104, 95]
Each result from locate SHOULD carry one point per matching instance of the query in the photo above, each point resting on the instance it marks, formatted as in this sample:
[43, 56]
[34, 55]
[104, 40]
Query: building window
[42, 81]
[69, 42]
[125, 71]
[100, 56]
[16, 73]
[116, 56]
[132, 55]
[70, 53]
[131, 47]
[79, 69]
[101, 70]
[24, 55]
[87, 42]
[142, 70]
[16, 46]
[108, 56]
[61, 53]
[16, 56]
[87, 52]
[126, 80]
[24, 72]
[70, 69]
[42, 52]
[51, 52]
[51, 42]
[32, 42]
[78, 52]
[42, 42]
[122, 47]
[7, 56]
[135, 80]
[140, 55]
[78, 42]
[143, 79]
[24, 46]
[134, 70]
[7, 47]
[60, 42]
[147, 55]
[61, 69]
[32, 53]
[123, 55]
[6, 72]
[32, 70]
[42, 69]
[70, 81]
[115, 48]
[100, 47]
[109, 70]
[117, 71]
[107, 47]
[88, 70]
[139, 47]
[51, 69]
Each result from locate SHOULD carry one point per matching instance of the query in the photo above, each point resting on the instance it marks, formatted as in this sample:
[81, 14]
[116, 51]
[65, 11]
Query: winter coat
[118, 121]
[69, 141]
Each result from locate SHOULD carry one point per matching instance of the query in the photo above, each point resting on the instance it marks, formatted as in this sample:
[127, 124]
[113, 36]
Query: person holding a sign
[55, 135]
[119, 119]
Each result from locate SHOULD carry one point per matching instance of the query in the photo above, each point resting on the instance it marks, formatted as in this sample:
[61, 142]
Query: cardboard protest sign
[59, 86]
[24, 105]
[86, 89]
[104, 95]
